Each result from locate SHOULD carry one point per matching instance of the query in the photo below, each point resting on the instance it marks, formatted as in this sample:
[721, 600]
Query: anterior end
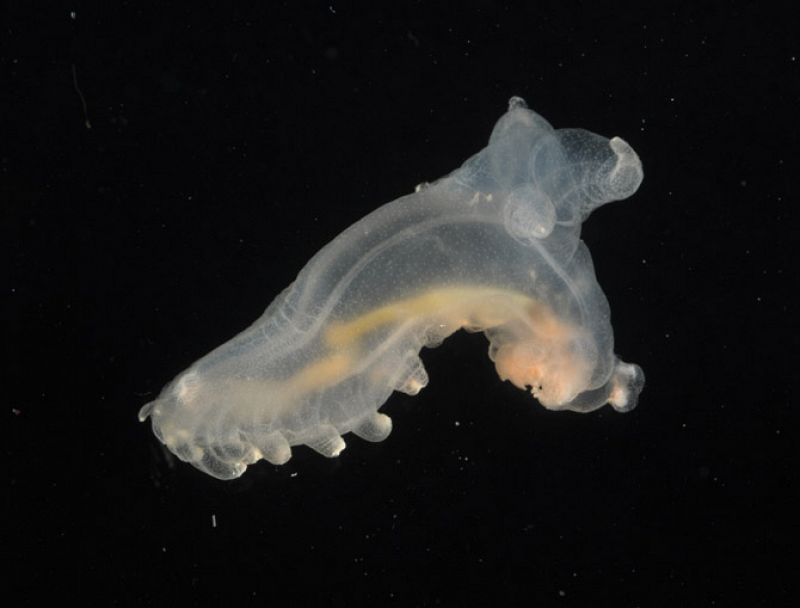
[374, 427]
[516, 366]
[547, 354]
[551, 382]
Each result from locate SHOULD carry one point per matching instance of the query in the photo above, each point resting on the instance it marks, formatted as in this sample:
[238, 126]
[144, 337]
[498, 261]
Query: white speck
[72, 15]
[213, 520]
[457, 423]
[293, 474]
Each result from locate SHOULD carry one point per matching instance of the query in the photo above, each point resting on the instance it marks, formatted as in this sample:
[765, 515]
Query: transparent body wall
[492, 247]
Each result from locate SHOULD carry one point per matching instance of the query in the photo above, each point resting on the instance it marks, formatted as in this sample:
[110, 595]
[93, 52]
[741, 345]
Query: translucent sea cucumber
[493, 247]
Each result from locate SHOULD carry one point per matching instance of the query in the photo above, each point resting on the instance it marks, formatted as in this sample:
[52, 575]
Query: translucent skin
[492, 247]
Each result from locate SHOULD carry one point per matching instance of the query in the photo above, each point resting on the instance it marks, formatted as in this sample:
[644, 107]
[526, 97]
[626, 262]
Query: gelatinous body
[492, 247]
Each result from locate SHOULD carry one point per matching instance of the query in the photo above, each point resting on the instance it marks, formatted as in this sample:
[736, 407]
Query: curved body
[492, 247]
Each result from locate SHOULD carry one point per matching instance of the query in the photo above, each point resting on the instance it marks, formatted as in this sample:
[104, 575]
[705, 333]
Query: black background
[228, 144]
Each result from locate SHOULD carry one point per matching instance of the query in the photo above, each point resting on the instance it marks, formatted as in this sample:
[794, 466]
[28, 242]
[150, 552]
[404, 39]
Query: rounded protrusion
[517, 102]
[627, 174]
[210, 463]
[529, 214]
[516, 121]
[626, 384]
[374, 427]
[144, 412]
[414, 378]
[274, 448]
[433, 340]
[328, 442]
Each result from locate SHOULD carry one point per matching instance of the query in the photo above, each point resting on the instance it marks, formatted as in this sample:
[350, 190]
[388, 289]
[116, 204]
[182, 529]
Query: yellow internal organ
[472, 307]
[536, 351]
